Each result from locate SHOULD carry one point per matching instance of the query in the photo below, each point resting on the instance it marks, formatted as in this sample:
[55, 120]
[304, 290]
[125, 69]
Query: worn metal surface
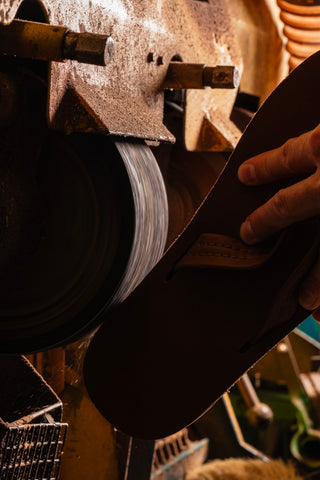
[8, 10]
[126, 97]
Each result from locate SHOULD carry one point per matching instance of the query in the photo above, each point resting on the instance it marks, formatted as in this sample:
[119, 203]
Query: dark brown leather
[185, 335]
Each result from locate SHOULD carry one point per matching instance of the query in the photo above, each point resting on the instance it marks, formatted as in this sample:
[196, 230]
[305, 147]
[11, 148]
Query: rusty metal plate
[126, 96]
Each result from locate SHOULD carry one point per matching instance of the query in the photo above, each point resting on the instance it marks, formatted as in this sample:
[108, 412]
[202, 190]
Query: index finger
[299, 155]
[290, 205]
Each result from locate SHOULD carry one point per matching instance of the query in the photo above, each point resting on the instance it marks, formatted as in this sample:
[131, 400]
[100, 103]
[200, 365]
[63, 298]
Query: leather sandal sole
[194, 326]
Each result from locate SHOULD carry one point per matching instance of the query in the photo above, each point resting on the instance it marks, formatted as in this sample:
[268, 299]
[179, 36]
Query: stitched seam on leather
[233, 247]
[224, 255]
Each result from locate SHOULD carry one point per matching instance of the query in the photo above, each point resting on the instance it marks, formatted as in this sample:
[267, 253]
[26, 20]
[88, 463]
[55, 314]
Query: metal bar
[42, 41]
[259, 414]
[32, 416]
[198, 76]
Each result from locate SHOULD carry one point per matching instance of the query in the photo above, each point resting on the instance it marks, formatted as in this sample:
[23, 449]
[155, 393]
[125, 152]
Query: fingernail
[247, 233]
[247, 173]
[307, 299]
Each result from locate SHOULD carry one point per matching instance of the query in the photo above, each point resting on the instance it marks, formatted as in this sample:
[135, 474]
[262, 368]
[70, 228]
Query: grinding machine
[117, 117]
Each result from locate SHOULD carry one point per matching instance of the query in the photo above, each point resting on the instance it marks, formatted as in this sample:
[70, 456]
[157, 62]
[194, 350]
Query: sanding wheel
[83, 219]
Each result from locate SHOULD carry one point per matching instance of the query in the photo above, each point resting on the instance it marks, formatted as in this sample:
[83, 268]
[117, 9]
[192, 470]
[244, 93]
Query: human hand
[300, 155]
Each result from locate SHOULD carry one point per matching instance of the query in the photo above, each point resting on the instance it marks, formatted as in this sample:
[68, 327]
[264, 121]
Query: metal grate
[176, 455]
[32, 434]
[32, 452]
[169, 448]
